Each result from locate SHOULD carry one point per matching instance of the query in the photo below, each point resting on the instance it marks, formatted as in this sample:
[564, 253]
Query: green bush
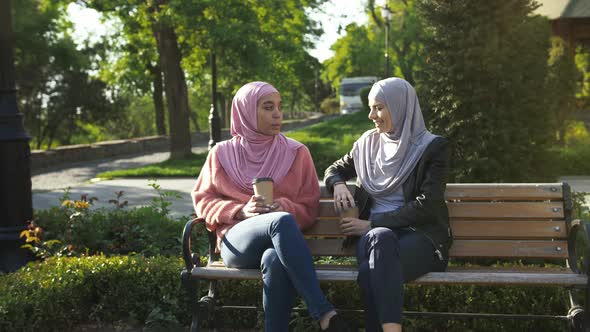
[330, 105]
[61, 293]
[141, 230]
[489, 86]
[147, 230]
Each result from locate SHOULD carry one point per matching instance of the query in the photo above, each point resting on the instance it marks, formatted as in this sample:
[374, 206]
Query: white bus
[350, 88]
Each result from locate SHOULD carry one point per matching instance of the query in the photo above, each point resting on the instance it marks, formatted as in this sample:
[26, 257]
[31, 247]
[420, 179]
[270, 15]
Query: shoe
[338, 324]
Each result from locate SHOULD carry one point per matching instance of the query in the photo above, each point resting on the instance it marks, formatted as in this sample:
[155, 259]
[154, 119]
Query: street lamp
[386, 14]
[214, 125]
[16, 207]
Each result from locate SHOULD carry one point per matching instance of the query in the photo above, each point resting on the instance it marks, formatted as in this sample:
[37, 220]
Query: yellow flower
[67, 203]
[81, 205]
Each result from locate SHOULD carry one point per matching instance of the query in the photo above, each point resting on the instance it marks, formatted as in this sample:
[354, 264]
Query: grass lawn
[190, 167]
[327, 141]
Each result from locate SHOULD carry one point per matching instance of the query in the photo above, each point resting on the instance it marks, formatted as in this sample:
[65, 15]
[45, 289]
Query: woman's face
[270, 114]
[380, 116]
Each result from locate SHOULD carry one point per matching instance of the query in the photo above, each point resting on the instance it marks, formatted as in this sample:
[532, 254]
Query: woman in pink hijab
[251, 234]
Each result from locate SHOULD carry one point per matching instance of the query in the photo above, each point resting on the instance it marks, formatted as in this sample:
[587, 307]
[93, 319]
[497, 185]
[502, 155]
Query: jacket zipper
[436, 250]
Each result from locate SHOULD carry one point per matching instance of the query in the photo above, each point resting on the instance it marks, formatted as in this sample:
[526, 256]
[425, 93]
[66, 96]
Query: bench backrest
[488, 220]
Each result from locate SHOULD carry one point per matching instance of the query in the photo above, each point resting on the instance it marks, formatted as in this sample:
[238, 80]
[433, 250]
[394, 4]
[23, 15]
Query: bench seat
[456, 276]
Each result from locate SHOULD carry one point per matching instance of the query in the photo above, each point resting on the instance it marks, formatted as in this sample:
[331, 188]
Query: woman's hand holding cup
[342, 197]
[253, 207]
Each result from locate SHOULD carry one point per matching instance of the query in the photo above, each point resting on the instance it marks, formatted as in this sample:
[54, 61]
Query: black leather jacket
[425, 209]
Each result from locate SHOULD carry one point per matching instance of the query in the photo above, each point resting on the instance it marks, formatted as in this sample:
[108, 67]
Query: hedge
[61, 293]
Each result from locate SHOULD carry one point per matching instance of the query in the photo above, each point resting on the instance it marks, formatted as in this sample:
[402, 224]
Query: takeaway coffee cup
[351, 212]
[263, 187]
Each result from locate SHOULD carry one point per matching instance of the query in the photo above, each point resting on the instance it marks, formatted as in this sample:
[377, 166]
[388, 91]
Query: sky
[331, 15]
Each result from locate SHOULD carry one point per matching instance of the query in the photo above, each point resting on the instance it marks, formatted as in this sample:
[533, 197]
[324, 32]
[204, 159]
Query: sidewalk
[77, 175]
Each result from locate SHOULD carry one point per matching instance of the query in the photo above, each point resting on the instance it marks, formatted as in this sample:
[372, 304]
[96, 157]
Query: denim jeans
[386, 259]
[273, 243]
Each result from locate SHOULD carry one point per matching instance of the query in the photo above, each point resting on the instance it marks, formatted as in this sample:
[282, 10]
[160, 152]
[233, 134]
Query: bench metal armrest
[579, 226]
[190, 260]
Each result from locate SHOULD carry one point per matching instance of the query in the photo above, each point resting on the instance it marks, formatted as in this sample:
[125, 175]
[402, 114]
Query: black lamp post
[16, 207]
[386, 13]
[214, 125]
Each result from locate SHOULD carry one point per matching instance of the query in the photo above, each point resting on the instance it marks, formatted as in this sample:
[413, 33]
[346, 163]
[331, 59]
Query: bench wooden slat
[486, 277]
[509, 229]
[509, 249]
[474, 229]
[504, 191]
[464, 248]
[493, 191]
[506, 210]
[484, 210]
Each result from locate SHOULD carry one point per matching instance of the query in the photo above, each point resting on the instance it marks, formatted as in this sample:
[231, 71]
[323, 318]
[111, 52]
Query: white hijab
[384, 161]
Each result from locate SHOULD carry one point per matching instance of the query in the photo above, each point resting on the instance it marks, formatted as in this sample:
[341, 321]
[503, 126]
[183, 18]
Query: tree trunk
[176, 90]
[195, 121]
[158, 97]
[222, 110]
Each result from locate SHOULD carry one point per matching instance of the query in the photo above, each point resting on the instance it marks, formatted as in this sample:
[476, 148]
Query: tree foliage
[360, 52]
[151, 42]
[56, 93]
[487, 86]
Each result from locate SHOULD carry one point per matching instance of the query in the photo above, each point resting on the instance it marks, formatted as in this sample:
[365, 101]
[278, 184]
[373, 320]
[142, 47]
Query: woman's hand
[342, 197]
[354, 226]
[253, 207]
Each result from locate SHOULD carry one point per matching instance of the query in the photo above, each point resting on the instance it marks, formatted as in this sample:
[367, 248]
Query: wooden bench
[496, 221]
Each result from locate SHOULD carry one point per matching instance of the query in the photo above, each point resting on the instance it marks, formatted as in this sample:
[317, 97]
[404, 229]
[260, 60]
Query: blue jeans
[386, 259]
[273, 243]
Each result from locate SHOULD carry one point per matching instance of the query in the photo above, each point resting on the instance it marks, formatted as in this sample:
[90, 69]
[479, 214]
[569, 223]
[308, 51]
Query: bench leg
[586, 309]
[192, 289]
[577, 314]
[207, 305]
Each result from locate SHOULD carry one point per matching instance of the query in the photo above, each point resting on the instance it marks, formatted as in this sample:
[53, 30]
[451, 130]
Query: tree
[262, 40]
[136, 69]
[561, 85]
[361, 51]
[174, 81]
[156, 16]
[358, 53]
[405, 33]
[56, 92]
[484, 86]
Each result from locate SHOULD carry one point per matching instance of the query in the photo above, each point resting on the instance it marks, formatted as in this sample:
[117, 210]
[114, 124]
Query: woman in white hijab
[403, 226]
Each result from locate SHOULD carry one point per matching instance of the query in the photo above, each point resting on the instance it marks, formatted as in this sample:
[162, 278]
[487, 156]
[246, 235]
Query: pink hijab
[250, 154]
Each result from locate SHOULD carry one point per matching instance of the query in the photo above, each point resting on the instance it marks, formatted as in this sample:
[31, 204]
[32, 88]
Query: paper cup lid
[257, 180]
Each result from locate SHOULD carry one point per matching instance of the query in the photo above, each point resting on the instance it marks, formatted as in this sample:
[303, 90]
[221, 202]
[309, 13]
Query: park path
[78, 174]
[49, 184]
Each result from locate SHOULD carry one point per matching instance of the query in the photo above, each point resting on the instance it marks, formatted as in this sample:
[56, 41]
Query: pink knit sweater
[217, 199]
